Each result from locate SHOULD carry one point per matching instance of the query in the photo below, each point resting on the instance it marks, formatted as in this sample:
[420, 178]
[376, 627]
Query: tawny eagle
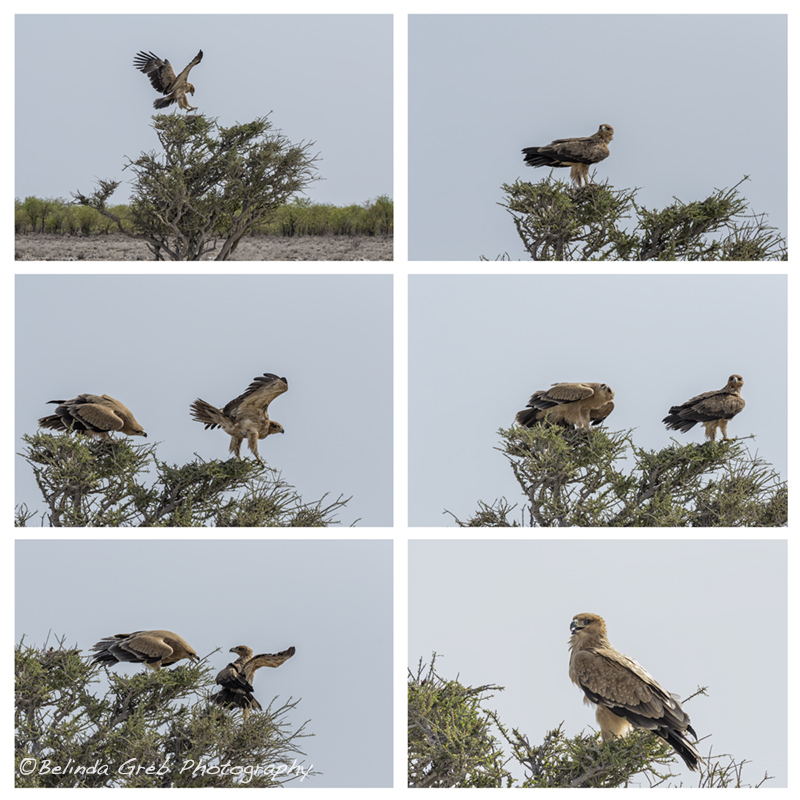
[713, 409]
[164, 79]
[93, 415]
[578, 153]
[245, 417]
[569, 404]
[626, 695]
[236, 679]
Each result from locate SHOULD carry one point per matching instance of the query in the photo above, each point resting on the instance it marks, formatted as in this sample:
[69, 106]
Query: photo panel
[482, 349]
[92, 615]
[483, 88]
[242, 137]
[550, 627]
[203, 363]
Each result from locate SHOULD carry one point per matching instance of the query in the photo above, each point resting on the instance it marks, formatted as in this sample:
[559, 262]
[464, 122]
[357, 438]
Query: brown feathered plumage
[164, 80]
[569, 404]
[237, 678]
[93, 415]
[625, 694]
[713, 409]
[577, 153]
[156, 649]
[245, 417]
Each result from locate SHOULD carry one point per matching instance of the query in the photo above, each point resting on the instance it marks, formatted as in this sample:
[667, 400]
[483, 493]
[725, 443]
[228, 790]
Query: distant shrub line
[300, 218]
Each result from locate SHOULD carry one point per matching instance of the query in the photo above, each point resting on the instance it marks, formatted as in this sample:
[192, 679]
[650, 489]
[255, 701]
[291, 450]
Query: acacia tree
[150, 729]
[209, 184]
[109, 483]
[558, 222]
[580, 478]
[454, 741]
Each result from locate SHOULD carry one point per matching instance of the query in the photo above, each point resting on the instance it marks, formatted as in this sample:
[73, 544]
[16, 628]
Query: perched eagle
[164, 80]
[93, 415]
[156, 649]
[626, 695]
[576, 153]
[236, 679]
[569, 404]
[246, 416]
[713, 409]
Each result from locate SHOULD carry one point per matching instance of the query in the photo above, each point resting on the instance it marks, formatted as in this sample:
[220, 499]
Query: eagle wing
[597, 415]
[193, 63]
[258, 395]
[159, 71]
[266, 660]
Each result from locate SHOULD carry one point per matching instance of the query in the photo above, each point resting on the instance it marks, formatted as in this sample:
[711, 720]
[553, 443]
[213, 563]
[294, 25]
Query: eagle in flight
[92, 415]
[155, 649]
[236, 679]
[576, 153]
[568, 404]
[713, 409]
[164, 79]
[626, 695]
[245, 417]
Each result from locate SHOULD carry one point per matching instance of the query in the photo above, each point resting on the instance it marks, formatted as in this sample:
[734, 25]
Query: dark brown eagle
[245, 417]
[93, 415]
[569, 404]
[236, 679]
[164, 79]
[576, 153]
[713, 409]
[156, 649]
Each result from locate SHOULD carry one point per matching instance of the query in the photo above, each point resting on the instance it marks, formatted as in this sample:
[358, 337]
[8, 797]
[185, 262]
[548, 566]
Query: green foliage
[300, 217]
[449, 738]
[451, 743]
[576, 478]
[558, 222]
[150, 729]
[107, 483]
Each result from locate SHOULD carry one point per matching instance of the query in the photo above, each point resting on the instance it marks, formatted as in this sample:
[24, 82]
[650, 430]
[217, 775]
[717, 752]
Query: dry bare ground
[116, 247]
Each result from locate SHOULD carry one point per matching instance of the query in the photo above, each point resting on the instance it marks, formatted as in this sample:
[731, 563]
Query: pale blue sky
[159, 342]
[692, 613]
[327, 79]
[696, 102]
[479, 346]
[309, 594]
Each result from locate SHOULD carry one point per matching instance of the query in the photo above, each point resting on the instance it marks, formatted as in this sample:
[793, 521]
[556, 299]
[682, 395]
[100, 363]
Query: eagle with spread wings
[245, 417]
[236, 679]
[578, 153]
[713, 409]
[155, 649]
[93, 415]
[164, 80]
[626, 695]
[568, 404]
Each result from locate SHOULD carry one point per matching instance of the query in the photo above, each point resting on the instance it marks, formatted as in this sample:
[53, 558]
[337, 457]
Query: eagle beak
[573, 627]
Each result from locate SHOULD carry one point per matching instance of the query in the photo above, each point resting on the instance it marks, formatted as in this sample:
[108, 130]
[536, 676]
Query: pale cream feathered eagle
[236, 679]
[92, 415]
[245, 417]
[713, 409]
[155, 649]
[626, 695]
[568, 404]
[164, 80]
[579, 153]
